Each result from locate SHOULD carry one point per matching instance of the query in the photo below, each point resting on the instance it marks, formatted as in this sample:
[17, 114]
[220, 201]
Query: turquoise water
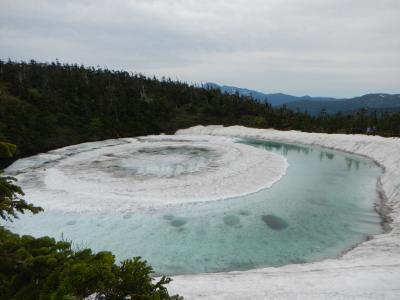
[322, 207]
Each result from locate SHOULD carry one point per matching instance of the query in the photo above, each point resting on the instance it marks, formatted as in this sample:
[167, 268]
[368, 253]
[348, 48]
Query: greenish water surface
[322, 207]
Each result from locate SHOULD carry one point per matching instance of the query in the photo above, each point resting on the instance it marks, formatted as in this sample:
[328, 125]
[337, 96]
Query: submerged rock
[178, 222]
[231, 220]
[275, 222]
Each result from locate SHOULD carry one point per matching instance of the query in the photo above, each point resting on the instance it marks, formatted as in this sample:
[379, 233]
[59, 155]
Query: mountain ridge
[314, 105]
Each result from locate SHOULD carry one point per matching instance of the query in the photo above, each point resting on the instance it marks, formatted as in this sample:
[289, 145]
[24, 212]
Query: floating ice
[147, 172]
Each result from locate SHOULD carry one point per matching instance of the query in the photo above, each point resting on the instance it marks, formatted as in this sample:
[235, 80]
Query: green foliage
[41, 268]
[11, 202]
[7, 150]
[134, 281]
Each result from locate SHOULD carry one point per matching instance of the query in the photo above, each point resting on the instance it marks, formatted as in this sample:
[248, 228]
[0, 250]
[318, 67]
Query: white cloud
[330, 47]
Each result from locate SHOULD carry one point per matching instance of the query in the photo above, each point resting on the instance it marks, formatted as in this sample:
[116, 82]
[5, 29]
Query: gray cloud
[330, 47]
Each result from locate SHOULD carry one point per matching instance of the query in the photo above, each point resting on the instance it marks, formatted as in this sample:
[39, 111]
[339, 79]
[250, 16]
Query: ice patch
[148, 172]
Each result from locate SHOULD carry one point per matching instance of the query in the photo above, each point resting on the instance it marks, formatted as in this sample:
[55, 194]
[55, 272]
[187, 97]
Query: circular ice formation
[148, 172]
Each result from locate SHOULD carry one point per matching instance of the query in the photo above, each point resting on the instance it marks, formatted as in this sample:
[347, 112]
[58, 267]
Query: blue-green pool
[321, 208]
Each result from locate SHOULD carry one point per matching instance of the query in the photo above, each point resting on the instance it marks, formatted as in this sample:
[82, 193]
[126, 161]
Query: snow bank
[369, 271]
[148, 172]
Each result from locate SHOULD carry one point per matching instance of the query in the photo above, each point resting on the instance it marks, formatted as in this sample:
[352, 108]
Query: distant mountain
[275, 99]
[314, 105]
[233, 90]
[378, 102]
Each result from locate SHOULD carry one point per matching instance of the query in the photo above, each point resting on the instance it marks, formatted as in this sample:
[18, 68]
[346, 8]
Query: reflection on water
[323, 206]
[351, 161]
[327, 155]
[278, 147]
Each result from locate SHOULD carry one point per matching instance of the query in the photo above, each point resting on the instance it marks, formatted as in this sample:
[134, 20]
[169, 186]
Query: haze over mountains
[314, 105]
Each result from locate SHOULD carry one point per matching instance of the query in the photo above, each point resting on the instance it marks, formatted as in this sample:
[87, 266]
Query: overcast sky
[339, 48]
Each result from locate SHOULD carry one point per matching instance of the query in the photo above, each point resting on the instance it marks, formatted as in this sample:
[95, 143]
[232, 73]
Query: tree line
[45, 106]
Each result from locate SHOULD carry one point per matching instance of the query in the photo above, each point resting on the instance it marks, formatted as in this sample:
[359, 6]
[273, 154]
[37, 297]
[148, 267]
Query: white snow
[369, 271]
[148, 172]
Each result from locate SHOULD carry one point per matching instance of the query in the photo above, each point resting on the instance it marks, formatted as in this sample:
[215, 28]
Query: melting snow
[369, 271]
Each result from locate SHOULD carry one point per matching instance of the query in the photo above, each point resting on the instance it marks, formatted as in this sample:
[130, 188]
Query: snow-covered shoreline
[369, 271]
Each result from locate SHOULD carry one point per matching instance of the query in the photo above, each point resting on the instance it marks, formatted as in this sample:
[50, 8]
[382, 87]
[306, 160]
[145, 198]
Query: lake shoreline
[371, 269]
